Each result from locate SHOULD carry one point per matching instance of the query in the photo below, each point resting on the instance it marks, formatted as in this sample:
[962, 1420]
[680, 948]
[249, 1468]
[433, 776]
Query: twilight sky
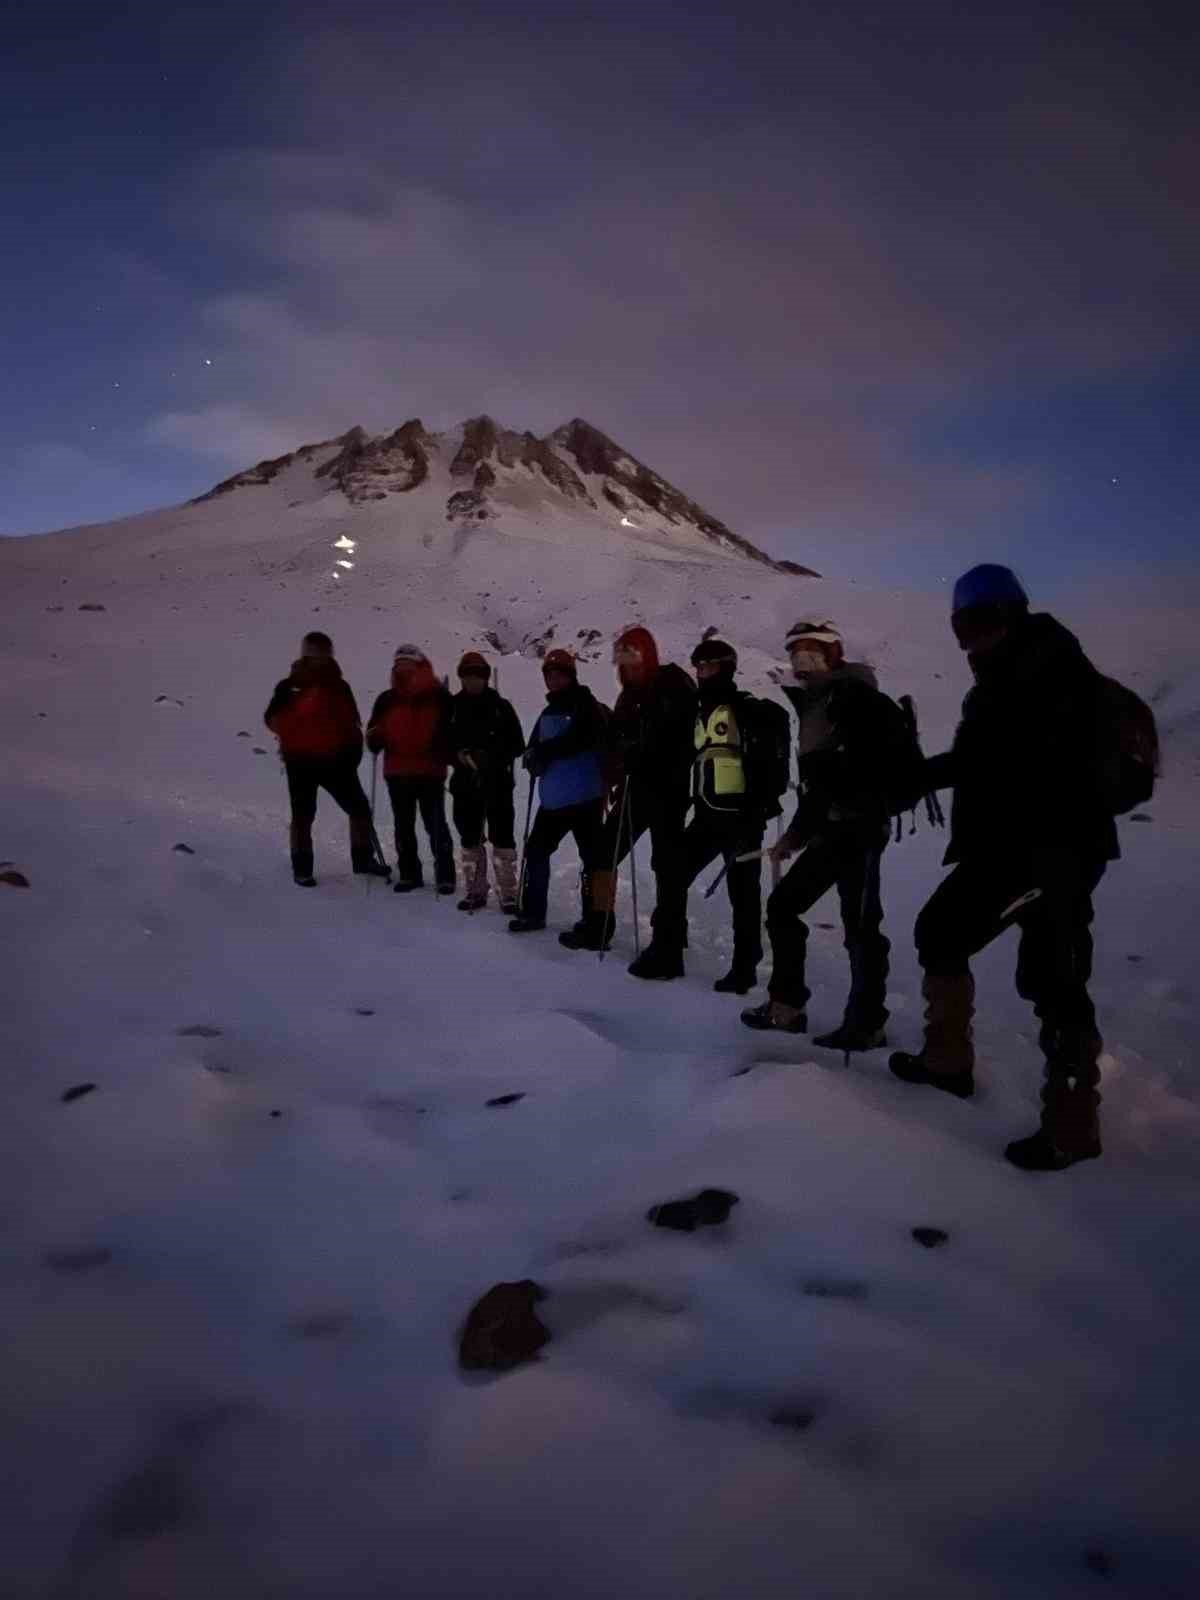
[886, 287]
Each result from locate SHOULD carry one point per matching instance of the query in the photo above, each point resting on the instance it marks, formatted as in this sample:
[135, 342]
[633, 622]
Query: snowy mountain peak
[484, 473]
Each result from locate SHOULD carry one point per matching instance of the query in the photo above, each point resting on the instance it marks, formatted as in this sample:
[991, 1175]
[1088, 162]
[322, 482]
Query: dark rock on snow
[14, 879]
[77, 1093]
[505, 1099]
[199, 1030]
[705, 1209]
[502, 1329]
[930, 1237]
[184, 849]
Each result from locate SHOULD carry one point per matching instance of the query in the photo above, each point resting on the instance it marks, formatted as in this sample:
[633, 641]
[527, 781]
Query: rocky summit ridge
[577, 464]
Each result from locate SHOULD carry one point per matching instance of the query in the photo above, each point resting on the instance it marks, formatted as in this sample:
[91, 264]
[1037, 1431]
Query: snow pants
[848, 860]
[711, 836]
[306, 776]
[427, 795]
[478, 808]
[663, 818]
[586, 823]
[1050, 901]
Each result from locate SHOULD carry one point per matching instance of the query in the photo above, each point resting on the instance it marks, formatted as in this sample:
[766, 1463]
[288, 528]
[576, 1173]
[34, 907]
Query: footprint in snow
[75, 1261]
[199, 1030]
[834, 1288]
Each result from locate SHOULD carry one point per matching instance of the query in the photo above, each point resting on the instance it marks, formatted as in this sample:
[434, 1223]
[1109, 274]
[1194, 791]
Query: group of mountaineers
[1046, 754]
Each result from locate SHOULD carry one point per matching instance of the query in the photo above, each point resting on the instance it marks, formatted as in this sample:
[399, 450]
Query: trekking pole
[622, 812]
[525, 847]
[380, 858]
[637, 933]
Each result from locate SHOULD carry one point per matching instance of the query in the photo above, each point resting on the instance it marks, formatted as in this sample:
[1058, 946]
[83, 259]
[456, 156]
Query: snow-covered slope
[234, 1269]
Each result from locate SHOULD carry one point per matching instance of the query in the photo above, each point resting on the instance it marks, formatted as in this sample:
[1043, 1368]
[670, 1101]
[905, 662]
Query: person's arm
[375, 739]
[585, 733]
[281, 697]
[512, 736]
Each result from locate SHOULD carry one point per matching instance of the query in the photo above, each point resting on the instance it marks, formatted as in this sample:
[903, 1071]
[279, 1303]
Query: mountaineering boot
[504, 868]
[1070, 1128]
[363, 856]
[593, 932]
[737, 980]
[474, 866]
[407, 885]
[947, 1057]
[520, 924]
[446, 886]
[657, 962]
[851, 1037]
[773, 1016]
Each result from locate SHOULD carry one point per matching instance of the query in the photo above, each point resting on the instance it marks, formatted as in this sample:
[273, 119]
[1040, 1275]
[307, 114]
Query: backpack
[1126, 746]
[908, 784]
[766, 730]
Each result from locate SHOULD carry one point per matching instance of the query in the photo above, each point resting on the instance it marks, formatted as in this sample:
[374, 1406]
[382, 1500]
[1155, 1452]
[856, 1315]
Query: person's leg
[431, 796]
[666, 824]
[744, 883]
[967, 910]
[862, 921]
[341, 781]
[468, 810]
[1054, 965]
[302, 798]
[588, 831]
[403, 795]
[501, 827]
[810, 876]
[548, 831]
[663, 956]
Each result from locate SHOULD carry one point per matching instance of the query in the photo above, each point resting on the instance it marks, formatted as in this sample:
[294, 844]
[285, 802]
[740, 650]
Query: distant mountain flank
[489, 468]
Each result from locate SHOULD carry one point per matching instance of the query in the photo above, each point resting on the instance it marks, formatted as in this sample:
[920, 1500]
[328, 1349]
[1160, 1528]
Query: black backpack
[907, 784]
[766, 730]
[1126, 745]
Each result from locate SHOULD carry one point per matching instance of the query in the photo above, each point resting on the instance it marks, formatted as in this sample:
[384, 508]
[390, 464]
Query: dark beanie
[474, 663]
[989, 585]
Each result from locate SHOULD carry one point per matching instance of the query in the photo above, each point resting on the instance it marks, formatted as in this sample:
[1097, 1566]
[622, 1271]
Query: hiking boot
[372, 869]
[773, 1016]
[736, 981]
[526, 924]
[946, 1060]
[655, 962]
[850, 1037]
[473, 902]
[448, 886]
[308, 882]
[589, 933]
[407, 885]
[1039, 1153]
[914, 1069]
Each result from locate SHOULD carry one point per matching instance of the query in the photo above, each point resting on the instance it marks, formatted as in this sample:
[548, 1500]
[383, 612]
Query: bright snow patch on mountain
[234, 1270]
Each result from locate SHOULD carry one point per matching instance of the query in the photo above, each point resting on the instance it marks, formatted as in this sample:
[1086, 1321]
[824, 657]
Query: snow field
[235, 1269]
